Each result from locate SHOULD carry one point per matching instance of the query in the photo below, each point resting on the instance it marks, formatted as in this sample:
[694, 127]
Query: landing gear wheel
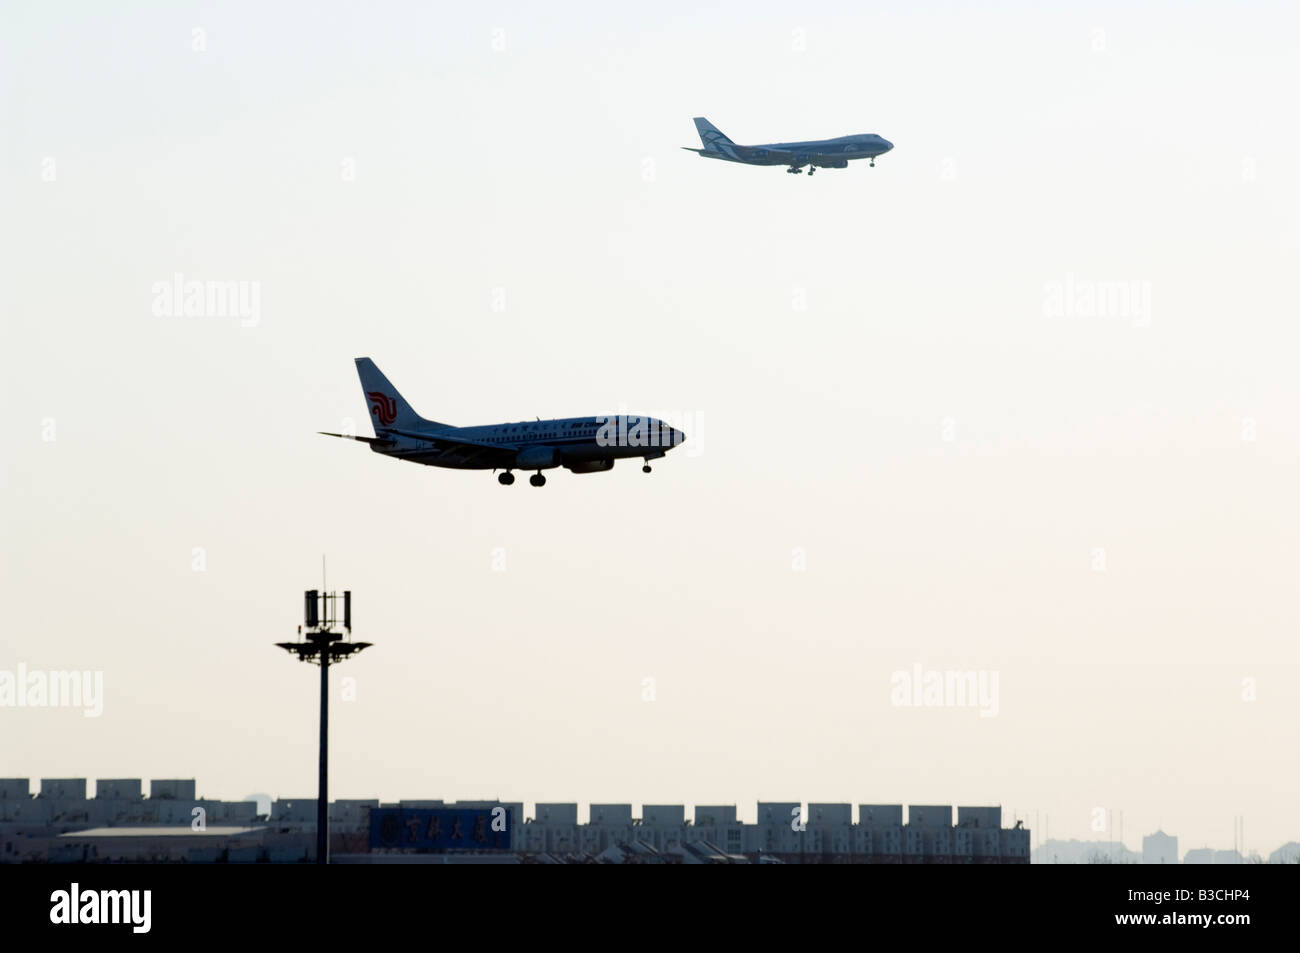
[873, 163]
[537, 480]
[646, 468]
[505, 479]
[811, 171]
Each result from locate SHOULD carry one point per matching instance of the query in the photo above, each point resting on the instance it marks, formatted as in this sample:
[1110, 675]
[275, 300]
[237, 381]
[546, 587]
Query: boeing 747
[817, 154]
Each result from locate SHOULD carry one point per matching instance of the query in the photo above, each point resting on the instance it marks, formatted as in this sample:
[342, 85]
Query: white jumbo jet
[818, 153]
[579, 444]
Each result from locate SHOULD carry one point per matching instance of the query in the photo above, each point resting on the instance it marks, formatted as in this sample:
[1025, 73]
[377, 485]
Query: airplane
[579, 444]
[819, 153]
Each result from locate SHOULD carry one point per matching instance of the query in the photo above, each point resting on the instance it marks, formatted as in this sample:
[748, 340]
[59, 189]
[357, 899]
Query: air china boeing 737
[579, 444]
[818, 153]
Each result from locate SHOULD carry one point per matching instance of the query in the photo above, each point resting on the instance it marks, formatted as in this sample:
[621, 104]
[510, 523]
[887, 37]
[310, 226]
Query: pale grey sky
[1099, 507]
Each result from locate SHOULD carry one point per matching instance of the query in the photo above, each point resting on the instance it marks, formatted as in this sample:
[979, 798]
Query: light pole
[320, 646]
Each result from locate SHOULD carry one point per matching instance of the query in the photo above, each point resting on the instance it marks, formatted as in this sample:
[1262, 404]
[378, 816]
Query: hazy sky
[904, 448]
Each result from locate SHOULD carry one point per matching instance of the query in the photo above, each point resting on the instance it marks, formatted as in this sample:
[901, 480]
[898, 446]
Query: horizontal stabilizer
[347, 436]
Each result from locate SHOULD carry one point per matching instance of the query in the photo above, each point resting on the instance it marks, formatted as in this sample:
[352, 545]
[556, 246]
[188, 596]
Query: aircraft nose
[886, 143]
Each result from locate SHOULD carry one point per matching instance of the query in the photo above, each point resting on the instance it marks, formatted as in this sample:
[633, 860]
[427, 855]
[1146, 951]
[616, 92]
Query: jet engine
[590, 466]
[537, 458]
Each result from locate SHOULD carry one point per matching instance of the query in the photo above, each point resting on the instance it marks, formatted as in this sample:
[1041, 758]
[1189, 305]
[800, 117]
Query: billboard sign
[411, 828]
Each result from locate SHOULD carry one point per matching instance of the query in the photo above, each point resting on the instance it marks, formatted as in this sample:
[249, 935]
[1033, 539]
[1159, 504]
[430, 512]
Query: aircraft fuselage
[575, 441]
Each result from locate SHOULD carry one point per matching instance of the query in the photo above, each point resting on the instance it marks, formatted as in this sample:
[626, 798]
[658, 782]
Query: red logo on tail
[382, 406]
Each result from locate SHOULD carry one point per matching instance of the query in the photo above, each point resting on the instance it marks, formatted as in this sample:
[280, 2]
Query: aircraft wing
[453, 444]
[748, 154]
[767, 154]
[449, 441]
[445, 444]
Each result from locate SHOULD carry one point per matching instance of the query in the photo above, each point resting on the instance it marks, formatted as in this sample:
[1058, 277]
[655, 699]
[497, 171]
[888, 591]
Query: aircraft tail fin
[711, 136]
[387, 406]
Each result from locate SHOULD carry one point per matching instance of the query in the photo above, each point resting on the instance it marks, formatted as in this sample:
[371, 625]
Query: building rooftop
[158, 830]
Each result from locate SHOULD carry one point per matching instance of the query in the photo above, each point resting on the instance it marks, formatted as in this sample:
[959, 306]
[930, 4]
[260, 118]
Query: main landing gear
[795, 169]
[812, 169]
[507, 478]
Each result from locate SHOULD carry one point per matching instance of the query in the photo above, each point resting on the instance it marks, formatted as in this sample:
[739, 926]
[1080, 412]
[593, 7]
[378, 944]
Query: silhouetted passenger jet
[579, 444]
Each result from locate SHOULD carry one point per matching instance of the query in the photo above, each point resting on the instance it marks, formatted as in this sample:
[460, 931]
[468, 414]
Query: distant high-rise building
[1159, 848]
[1288, 853]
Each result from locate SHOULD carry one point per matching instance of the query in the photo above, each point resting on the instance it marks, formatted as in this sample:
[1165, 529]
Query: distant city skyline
[1156, 847]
